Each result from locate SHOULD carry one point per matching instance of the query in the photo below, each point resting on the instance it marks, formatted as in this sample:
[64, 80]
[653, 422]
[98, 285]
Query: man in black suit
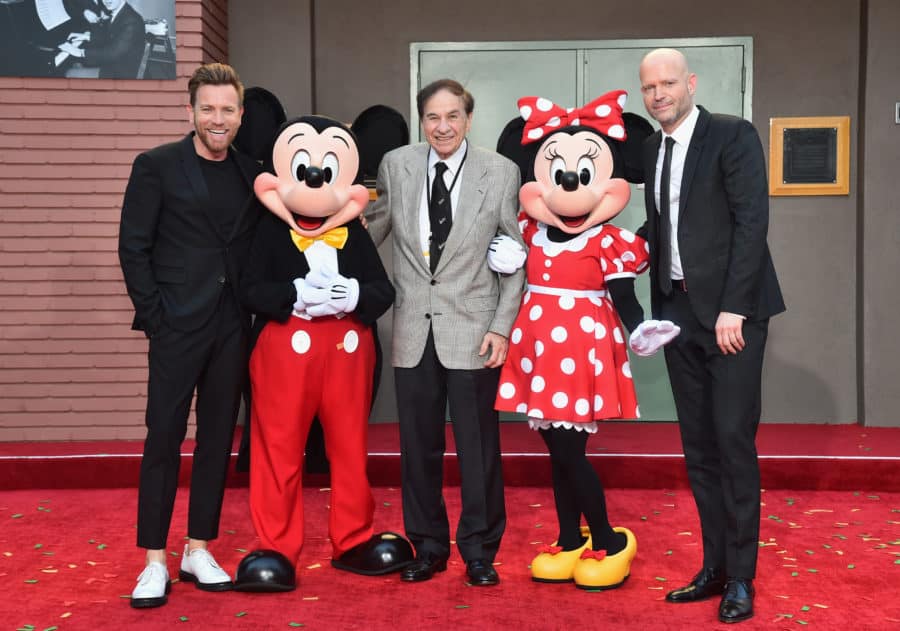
[711, 273]
[114, 42]
[188, 220]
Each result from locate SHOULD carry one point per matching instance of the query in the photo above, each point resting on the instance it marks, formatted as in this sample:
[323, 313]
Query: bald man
[711, 273]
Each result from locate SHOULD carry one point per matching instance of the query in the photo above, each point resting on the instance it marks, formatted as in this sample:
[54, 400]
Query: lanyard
[455, 176]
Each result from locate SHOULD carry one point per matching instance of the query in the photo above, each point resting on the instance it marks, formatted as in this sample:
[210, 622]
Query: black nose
[569, 181]
[314, 177]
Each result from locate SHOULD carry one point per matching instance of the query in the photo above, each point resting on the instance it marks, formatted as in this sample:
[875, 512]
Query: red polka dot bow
[542, 116]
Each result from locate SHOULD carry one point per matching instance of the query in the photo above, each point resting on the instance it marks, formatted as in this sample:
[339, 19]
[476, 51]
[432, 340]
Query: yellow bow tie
[336, 238]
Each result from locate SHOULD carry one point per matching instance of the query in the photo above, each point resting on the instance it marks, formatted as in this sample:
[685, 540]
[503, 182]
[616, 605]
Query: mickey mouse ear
[263, 115]
[509, 145]
[637, 129]
[378, 129]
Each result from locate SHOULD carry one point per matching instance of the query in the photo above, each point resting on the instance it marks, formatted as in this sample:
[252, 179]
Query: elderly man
[711, 273]
[444, 200]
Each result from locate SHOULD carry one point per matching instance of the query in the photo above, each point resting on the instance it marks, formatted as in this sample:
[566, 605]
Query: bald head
[667, 86]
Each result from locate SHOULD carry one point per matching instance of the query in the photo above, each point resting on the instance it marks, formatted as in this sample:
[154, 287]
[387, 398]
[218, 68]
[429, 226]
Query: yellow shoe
[555, 565]
[609, 571]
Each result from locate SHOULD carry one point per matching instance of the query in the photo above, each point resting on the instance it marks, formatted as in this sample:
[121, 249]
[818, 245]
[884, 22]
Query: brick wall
[70, 366]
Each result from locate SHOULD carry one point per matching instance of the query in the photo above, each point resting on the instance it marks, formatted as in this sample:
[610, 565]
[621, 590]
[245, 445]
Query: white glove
[505, 255]
[328, 293]
[652, 335]
[299, 304]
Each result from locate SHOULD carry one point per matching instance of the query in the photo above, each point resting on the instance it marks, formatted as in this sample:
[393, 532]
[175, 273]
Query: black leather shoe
[737, 602]
[423, 568]
[481, 573]
[707, 583]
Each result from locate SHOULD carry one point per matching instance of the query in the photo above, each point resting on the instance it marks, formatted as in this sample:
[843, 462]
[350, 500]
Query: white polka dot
[560, 400]
[627, 236]
[598, 368]
[545, 276]
[606, 241]
[566, 303]
[619, 266]
[575, 121]
[544, 104]
[642, 266]
[535, 413]
[647, 247]
[527, 365]
[599, 331]
[351, 341]
[582, 407]
[587, 324]
[507, 390]
[300, 342]
[516, 336]
[617, 336]
[569, 110]
[525, 111]
[537, 384]
[628, 257]
[626, 369]
[623, 98]
[603, 265]
[527, 298]
[538, 348]
[559, 334]
[535, 313]
[553, 122]
[602, 110]
[535, 133]
[616, 131]
[567, 365]
[548, 263]
[522, 408]
[598, 403]
[592, 355]
[637, 412]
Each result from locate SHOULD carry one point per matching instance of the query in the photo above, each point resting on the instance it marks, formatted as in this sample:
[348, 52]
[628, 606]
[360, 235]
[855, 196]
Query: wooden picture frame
[809, 155]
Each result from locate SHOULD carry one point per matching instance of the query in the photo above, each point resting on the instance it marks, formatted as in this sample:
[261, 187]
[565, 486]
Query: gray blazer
[465, 299]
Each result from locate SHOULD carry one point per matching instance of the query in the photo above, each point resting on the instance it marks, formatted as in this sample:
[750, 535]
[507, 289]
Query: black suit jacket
[174, 256]
[118, 46]
[723, 219]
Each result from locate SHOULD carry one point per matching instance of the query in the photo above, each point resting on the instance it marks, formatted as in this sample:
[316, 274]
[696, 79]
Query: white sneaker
[201, 568]
[152, 586]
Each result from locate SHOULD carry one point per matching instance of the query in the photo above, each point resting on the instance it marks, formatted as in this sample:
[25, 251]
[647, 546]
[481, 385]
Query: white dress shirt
[454, 164]
[682, 136]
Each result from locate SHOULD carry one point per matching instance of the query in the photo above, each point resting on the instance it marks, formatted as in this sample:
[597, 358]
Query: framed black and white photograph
[99, 39]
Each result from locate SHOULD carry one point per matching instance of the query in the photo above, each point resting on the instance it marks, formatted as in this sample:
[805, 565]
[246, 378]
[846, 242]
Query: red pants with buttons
[298, 370]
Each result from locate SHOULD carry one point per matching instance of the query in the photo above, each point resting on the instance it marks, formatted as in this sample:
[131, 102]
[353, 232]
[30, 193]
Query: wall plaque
[809, 156]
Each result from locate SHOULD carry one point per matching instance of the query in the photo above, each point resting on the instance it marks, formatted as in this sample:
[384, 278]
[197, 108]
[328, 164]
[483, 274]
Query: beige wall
[806, 63]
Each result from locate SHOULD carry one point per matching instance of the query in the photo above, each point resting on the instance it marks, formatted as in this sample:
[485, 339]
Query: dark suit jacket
[118, 46]
[723, 219]
[175, 259]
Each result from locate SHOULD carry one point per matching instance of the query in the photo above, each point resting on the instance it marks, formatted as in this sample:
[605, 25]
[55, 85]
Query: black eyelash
[593, 153]
[551, 152]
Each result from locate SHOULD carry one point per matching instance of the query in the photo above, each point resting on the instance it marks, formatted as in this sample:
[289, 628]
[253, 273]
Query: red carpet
[828, 560]
[631, 455]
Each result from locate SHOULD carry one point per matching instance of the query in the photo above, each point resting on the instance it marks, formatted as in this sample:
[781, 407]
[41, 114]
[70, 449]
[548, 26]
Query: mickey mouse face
[573, 188]
[312, 189]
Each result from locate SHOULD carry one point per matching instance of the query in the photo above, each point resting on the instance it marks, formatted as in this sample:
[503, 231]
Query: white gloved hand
[652, 335]
[299, 304]
[505, 254]
[329, 293]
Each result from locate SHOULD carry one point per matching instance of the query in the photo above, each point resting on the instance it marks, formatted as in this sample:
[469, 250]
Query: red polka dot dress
[568, 362]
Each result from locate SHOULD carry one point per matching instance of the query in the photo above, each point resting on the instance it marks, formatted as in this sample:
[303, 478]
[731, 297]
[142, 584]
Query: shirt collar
[685, 130]
[453, 162]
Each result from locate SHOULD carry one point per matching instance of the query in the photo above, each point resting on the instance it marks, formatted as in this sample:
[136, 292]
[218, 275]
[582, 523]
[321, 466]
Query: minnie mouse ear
[637, 129]
[509, 145]
[263, 115]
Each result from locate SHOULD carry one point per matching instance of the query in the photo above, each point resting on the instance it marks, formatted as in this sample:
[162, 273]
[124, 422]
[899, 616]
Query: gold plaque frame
[777, 127]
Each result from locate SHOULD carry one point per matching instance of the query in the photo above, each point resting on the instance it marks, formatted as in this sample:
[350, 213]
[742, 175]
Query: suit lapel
[471, 196]
[411, 196]
[191, 164]
[691, 160]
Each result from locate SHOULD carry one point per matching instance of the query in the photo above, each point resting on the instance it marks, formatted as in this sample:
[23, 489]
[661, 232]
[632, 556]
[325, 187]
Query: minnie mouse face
[574, 189]
[315, 162]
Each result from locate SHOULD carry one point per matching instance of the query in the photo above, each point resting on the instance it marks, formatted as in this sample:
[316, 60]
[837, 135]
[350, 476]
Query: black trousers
[212, 360]
[718, 401]
[422, 396]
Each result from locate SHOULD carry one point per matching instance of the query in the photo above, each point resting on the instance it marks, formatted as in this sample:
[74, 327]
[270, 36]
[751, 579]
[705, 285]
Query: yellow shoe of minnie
[555, 565]
[598, 570]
